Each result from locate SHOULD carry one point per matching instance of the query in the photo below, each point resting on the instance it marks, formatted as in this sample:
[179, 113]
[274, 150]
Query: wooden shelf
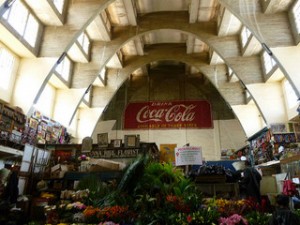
[290, 159]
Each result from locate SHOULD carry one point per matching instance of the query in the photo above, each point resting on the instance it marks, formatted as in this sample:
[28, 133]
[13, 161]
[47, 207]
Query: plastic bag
[289, 188]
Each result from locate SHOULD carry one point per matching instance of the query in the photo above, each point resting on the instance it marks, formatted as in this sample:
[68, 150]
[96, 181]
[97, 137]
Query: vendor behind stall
[9, 190]
[250, 182]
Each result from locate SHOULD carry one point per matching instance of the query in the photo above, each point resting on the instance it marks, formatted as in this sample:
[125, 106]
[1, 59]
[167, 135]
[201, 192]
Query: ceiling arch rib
[225, 53]
[224, 45]
[232, 92]
[76, 26]
[259, 22]
[251, 15]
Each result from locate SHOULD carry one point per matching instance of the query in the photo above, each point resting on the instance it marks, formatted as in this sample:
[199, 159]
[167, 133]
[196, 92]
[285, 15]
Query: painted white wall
[289, 59]
[209, 139]
[249, 117]
[88, 119]
[290, 110]
[46, 101]
[65, 104]
[32, 73]
[270, 99]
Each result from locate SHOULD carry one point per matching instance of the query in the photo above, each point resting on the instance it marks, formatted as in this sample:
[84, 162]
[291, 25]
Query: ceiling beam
[232, 92]
[98, 29]
[190, 44]
[131, 12]
[225, 22]
[194, 10]
[139, 46]
[226, 47]
[259, 23]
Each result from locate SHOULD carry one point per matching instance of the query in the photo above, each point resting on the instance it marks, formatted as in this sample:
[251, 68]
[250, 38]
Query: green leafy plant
[258, 218]
[97, 189]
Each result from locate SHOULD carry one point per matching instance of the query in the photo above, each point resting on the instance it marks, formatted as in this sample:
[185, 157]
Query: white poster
[188, 156]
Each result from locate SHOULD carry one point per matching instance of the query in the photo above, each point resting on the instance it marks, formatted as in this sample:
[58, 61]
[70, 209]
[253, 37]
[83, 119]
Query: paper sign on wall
[167, 153]
[188, 156]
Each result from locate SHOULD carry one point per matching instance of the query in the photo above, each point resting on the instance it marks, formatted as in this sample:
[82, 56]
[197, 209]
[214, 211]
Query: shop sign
[188, 156]
[168, 115]
[114, 153]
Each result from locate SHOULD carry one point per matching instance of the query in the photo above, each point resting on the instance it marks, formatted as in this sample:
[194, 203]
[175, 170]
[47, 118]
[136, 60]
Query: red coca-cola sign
[168, 115]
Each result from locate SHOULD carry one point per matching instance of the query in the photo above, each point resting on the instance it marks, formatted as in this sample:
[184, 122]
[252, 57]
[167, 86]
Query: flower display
[78, 206]
[108, 223]
[258, 218]
[113, 213]
[159, 194]
[178, 203]
[83, 157]
[90, 211]
[229, 207]
[233, 220]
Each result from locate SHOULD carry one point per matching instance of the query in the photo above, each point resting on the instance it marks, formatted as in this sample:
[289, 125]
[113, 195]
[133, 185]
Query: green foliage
[95, 186]
[161, 178]
[132, 174]
[297, 211]
[258, 218]
[162, 193]
[205, 216]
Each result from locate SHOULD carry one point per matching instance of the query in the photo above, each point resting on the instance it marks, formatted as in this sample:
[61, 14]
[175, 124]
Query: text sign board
[188, 156]
[114, 153]
[168, 115]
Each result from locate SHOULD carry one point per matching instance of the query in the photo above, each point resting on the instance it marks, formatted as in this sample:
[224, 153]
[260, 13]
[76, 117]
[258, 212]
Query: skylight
[59, 4]
[269, 62]
[291, 97]
[245, 35]
[23, 22]
[84, 41]
[64, 68]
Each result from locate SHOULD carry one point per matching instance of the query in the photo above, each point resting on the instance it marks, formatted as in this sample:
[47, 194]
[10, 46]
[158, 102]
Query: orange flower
[90, 211]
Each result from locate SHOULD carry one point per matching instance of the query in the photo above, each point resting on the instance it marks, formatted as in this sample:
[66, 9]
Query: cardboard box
[57, 174]
[104, 164]
[59, 170]
[55, 168]
[62, 167]
[268, 185]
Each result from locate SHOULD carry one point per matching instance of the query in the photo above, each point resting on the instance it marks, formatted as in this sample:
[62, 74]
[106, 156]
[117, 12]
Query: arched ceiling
[128, 35]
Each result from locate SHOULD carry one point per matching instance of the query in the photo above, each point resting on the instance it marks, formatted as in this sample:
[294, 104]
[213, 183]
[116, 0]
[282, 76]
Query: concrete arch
[206, 32]
[227, 48]
[235, 97]
[280, 45]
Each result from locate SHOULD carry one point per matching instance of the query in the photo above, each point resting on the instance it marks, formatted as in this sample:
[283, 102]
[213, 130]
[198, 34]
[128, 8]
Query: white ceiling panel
[165, 36]
[146, 6]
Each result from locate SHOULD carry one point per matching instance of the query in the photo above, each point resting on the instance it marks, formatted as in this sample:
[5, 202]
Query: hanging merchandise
[40, 129]
[289, 188]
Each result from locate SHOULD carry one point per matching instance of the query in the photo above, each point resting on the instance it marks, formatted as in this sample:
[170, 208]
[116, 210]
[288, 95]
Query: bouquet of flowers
[234, 219]
[83, 157]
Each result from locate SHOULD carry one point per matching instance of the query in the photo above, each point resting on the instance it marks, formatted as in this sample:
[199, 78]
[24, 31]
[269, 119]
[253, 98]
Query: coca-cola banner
[168, 115]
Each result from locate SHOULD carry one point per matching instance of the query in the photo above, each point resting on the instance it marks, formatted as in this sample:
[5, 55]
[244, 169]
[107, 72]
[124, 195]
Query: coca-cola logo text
[175, 113]
[168, 115]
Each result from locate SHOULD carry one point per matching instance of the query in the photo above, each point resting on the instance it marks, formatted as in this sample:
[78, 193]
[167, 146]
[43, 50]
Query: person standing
[250, 182]
[282, 214]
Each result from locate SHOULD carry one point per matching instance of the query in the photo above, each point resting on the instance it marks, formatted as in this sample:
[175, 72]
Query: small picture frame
[33, 123]
[130, 141]
[117, 143]
[102, 140]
